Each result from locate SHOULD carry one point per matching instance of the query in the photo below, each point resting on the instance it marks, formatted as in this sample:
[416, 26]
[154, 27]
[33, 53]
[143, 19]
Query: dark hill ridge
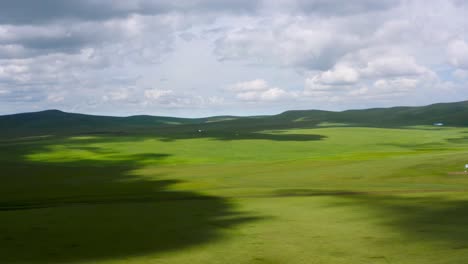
[451, 114]
[55, 122]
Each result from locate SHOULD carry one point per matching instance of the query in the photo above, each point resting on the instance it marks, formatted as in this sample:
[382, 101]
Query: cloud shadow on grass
[420, 215]
[228, 136]
[88, 210]
[428, 218]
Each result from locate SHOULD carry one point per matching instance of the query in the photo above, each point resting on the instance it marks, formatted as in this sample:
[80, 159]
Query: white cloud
[258, 90]
[392, 66]
[270, 94]
[371, 76]
[155, 94]
[458, 54]
[339, 75]
[248, 86]
[93, 56]
[216, 100]
[116, 95]
[396, 85]
[289, 41]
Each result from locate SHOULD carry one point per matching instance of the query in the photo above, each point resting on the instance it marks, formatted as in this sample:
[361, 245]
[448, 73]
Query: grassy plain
[324, 195]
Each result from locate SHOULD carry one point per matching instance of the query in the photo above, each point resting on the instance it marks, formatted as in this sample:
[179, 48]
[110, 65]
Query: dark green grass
[88, 211]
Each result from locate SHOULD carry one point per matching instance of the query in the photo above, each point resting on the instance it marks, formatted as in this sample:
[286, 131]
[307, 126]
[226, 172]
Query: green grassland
[239, 191]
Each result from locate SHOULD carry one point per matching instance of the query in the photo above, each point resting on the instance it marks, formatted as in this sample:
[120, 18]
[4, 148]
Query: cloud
[155, 94]
[116, 96]
[371, 75]
[55, 98]
[46, 11]
[23, 41]
[95, 55]
[339, 75]
[460, 74]
[396, 85]
[258, 90]
[288, 41]
[75, 63]
[392, 66]
[249, 86]
[333, 7]
[458, 54]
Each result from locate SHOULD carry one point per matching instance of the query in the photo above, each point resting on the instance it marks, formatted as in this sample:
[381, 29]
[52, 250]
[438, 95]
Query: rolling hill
[55, 122]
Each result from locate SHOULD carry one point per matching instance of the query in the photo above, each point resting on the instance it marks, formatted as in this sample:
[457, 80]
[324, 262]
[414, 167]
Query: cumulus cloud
[339, 75]
[392, 66]
[258, 90]
[290, 41]
[93, 55]
[381, 77]
[75, 63]
[120, 34]
[396, 85]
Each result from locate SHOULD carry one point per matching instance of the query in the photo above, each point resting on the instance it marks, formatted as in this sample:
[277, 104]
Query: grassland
[327, 194]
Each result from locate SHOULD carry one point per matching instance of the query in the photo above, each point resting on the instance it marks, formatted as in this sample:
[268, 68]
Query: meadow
[328, 194]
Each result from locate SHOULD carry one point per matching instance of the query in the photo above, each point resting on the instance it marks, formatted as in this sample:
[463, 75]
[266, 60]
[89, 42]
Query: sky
[195, 58]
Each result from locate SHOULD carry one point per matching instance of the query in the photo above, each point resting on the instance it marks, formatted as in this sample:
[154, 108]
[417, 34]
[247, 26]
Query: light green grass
[325, 195]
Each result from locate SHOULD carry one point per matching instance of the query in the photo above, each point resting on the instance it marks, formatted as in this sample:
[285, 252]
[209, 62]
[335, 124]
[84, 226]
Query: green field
[325, 194]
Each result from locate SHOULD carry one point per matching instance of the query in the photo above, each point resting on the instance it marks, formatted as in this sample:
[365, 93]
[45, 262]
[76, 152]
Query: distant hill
[55, 122]
[451, 114]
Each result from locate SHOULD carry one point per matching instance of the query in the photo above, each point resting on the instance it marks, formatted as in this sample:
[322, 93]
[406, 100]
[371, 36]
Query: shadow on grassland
[92, 210]
[174, 133]
[423, 216]
[245, 135]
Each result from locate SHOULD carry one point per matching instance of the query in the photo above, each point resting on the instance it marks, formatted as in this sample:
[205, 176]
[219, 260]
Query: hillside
[55, 122]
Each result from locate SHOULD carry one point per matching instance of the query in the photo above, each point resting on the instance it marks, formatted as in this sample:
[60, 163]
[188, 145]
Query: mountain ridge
[58, 122]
